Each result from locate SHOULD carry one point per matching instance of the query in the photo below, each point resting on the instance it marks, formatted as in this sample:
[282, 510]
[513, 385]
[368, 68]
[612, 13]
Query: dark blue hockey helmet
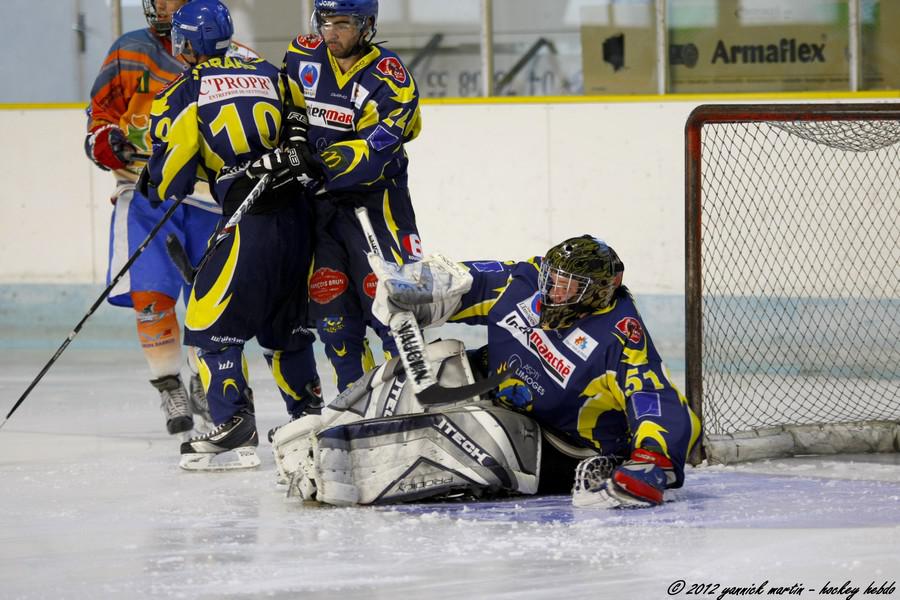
[206, 24]
[360, 10]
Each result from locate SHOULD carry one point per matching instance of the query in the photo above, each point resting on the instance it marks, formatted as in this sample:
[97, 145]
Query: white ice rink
[93, 505]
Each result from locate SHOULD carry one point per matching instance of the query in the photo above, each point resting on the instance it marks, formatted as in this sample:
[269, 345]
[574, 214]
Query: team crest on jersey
[327, 284]
[391, 67]
[631, 328]
[309, 77]
[531, 309]
[309, 42]
[580, 343]
[557, 366]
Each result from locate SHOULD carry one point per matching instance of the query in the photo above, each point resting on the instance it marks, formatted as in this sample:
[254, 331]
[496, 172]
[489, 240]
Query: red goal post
[792, 278]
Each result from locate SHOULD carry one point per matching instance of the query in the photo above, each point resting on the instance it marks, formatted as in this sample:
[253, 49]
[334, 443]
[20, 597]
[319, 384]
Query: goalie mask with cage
[157, 20]
[360, 12]
[578, 277]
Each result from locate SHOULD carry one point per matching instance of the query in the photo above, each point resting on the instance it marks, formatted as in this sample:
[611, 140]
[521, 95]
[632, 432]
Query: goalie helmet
[206, 24]
[360, 10]
[577, 277]
[161, 27]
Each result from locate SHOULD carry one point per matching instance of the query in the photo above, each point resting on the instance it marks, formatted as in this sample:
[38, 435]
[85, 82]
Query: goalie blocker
[376, 444]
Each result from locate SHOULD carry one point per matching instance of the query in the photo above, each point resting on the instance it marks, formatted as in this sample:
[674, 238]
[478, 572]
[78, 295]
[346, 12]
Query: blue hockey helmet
[360, 10]
[206, 24]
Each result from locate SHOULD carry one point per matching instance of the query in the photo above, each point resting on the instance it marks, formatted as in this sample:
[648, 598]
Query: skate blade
[239, 458]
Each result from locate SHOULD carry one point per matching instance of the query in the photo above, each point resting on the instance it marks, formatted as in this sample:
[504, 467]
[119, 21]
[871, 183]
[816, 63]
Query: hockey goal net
[793, 278]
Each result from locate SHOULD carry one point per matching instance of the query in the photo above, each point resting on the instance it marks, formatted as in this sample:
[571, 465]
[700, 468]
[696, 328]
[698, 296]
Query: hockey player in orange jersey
[140, 64]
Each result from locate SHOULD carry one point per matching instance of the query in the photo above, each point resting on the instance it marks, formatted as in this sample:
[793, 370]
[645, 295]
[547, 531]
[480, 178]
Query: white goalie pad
[471, 449]
[382, 392]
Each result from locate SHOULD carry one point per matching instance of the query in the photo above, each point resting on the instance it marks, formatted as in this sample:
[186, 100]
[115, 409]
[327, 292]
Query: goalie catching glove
[431, 289]
[639, 482]
[293, 164]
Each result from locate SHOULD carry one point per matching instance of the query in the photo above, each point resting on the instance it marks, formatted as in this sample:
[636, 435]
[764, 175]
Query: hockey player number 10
[266, 121]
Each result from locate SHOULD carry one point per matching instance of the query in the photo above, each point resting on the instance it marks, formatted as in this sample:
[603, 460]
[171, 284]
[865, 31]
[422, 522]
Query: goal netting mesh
[800, 285]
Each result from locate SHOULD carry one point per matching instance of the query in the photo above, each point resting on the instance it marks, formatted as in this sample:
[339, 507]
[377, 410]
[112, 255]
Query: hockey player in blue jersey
[217, 118]
[362, 105]
[582, 364]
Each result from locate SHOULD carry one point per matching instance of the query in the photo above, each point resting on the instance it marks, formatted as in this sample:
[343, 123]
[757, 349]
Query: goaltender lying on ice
[587, 398]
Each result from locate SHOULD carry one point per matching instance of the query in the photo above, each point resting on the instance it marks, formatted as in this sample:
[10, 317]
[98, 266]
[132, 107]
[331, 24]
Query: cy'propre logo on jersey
[330, 116]
[557, 366]
[218, 88]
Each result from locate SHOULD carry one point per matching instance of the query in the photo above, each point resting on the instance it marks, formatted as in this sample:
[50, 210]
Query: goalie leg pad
[381, 393]
[472, 449]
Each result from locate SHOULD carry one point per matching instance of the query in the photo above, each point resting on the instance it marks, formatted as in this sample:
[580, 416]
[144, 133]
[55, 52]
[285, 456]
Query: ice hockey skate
[174, 403]
[231, 445]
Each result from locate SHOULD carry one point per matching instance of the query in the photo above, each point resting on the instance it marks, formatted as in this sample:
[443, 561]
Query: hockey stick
[94, 307]
[411, 346]
[177, 252]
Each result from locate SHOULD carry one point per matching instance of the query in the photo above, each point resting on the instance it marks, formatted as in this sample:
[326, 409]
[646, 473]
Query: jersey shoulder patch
[308, 42]
[391, 66]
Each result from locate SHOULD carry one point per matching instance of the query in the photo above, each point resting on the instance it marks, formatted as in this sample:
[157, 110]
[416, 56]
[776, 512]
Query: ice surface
[93, 505]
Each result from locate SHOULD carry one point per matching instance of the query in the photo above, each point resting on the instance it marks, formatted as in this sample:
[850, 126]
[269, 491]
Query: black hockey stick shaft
[179, 256]
[94, 307]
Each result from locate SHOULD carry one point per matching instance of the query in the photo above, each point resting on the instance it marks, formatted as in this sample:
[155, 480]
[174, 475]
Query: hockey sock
[295, 374]
[158, 332]
[346, 347]
[388, 345]
[224, 376]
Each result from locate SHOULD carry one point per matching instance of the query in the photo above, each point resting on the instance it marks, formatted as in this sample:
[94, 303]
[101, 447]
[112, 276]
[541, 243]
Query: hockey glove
[108, 147]
[431, 289]
[294, 127]
[639, 482]
[293, 164]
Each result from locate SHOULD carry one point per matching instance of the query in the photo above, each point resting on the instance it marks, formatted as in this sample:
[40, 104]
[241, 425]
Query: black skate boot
[174, 403]
[232, 444]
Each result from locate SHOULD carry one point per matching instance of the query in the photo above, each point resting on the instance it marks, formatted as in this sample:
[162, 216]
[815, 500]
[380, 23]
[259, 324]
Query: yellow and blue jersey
[358, 120]
[213, 120]
[599, 384]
